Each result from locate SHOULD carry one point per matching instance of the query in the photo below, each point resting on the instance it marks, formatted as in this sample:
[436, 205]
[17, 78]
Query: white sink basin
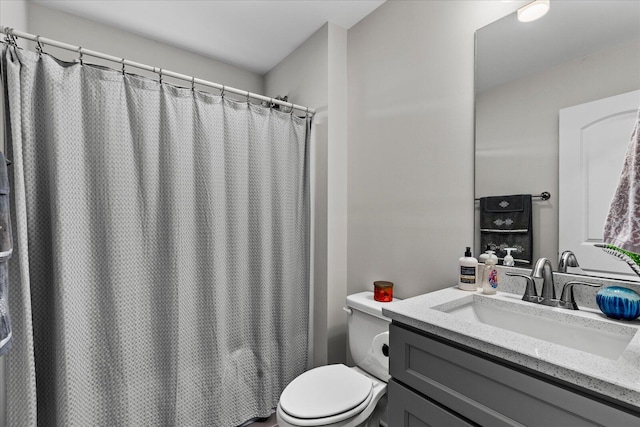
[558, 326]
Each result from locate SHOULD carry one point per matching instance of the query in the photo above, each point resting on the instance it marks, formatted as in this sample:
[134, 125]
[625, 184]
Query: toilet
[338, 395]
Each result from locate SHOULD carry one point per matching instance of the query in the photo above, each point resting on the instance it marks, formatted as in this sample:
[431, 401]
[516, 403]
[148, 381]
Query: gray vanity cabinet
[438, 383]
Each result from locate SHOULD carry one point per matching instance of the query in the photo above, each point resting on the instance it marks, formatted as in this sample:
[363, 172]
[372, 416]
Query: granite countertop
[613, 375]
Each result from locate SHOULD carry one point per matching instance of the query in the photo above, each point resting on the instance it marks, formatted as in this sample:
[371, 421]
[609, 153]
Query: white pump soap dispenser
[468, 269]
[508, 259]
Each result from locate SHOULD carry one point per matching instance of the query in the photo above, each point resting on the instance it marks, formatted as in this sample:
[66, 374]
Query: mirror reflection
[531, 80]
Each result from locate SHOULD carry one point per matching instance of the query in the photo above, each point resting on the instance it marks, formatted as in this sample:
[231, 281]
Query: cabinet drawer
[490, 393]
[409, 409]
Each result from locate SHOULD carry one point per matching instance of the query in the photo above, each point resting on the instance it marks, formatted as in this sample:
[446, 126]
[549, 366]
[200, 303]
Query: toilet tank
[365, 322]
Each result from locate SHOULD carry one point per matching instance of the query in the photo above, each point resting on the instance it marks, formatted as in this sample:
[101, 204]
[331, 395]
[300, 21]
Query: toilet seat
[327, 395]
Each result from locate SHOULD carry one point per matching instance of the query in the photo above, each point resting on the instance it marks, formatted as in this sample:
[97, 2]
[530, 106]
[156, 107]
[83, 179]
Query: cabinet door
[490, 393]
[409, 409]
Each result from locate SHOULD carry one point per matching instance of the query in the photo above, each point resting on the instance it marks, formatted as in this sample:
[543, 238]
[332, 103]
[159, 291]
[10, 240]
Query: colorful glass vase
[618, 302]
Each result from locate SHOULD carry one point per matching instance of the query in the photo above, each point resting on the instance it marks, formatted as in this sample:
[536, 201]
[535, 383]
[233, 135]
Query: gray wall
[410, 159]
[517, 131]
[409, 164]
[103, 38]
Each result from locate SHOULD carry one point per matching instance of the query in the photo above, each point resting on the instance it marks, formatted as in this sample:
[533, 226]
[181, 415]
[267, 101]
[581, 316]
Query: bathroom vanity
[462, 358]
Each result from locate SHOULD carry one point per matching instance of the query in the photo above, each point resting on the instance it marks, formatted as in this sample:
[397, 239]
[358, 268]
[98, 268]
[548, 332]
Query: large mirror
[528, 75]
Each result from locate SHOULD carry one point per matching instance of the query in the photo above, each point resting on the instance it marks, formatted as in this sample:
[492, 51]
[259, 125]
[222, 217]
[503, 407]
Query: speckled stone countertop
[614, 375]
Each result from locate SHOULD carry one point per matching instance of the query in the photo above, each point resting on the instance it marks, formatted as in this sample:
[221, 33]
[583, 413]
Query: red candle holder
[383, 291]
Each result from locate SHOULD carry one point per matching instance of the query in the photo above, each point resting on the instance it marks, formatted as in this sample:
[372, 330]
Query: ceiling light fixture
[534, 10]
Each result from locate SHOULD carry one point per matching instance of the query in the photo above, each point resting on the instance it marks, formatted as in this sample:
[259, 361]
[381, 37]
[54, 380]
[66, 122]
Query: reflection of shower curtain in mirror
[161, 250]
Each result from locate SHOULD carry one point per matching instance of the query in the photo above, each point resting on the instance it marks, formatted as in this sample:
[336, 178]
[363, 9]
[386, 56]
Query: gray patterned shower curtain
[161, 262]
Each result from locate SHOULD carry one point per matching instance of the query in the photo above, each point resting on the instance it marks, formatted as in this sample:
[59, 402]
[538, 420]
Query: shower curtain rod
[10, 32]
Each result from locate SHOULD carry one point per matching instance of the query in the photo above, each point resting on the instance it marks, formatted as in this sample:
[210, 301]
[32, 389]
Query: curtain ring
[222, 92]
[39, 45]
[307, 113]
[270, 103]
[160, 72]
[193, 83]
[80, 55]
[248, 96]
[122, 62]
[9, 37]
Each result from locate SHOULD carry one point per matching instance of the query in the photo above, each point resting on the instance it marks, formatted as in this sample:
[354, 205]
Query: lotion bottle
[467, 272]
[490, 275]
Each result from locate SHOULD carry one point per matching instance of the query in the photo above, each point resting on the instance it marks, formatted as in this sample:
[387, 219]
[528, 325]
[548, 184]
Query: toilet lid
[325, 391]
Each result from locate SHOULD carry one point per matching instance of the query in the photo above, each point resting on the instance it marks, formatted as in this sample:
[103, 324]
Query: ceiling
[509, 50]
[252, 34]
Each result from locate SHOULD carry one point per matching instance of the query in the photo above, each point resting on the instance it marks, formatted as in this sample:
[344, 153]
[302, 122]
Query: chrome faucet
[567, 259]
[543, 270]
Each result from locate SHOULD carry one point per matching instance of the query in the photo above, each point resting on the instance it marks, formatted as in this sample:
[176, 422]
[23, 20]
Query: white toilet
[340, 396]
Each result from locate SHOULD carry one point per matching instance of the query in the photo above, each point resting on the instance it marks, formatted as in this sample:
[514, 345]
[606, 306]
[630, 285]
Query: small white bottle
[490, 275]
[467, 272]
[508, 259]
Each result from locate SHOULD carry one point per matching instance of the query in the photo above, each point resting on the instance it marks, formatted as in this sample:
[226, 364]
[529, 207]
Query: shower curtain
[161, 263]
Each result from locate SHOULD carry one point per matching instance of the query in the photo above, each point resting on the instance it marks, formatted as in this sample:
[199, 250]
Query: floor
[271, 422]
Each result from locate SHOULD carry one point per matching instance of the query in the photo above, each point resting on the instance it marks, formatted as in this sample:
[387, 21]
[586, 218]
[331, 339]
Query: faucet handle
[567, 299]
[530, 293]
